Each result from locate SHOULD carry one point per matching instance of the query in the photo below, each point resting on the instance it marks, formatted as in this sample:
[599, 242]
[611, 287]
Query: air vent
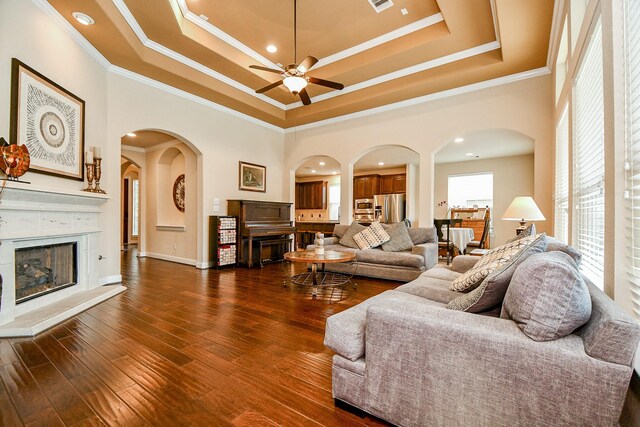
[380, 5]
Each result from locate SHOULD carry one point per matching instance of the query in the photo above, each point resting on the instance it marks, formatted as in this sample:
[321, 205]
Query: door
[399, 183]
[386, 184]
[125, 213]
[359, 188]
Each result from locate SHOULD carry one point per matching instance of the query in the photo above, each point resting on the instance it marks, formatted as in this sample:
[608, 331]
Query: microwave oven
[364, 206]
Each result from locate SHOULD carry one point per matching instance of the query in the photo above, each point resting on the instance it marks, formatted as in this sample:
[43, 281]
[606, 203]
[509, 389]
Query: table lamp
[523, 208]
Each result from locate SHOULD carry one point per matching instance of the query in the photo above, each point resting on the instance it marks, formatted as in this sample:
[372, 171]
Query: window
[135, 206]
[334, 202]
[632, 163]
[561, 230]
[468, 191]
[588, 148]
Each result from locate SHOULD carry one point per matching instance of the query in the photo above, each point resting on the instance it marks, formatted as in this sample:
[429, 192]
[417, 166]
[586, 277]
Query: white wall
[523, 106]
[116, 105]
[512, 176]
[31, 36]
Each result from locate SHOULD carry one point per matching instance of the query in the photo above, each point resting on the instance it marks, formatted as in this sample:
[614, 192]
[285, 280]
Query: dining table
[460, 237]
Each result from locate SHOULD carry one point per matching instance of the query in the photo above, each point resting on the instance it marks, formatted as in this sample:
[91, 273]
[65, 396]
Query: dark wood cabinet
[366, 186]
[311, 195]
[393, 184]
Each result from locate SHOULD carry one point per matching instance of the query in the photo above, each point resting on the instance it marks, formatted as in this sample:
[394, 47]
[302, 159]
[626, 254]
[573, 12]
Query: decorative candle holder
[90, 170]
[98, 165]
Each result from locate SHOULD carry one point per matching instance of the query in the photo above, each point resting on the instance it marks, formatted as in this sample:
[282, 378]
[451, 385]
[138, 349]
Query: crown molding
[59, 20]
[137, 29]
[447, 59]
[427, 98]
[189, 96]
[132, 148]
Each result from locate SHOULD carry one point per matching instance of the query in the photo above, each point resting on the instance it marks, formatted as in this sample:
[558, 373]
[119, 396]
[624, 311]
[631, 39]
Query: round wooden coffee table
[320, 279]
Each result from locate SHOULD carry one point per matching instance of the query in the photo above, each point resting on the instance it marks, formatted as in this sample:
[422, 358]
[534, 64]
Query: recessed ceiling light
[334, 173]
[83, 18]
[469, 154]
[380, 163]
[272, 49]
[458, 139]
[313, 171]
[131, 134]
[322, 163]
[404, 11]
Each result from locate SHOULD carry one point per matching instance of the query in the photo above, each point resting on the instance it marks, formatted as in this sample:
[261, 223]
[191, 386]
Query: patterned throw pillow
[371, 237]
[529, 231]
[488, 263]
[492, 290]
[347, 237]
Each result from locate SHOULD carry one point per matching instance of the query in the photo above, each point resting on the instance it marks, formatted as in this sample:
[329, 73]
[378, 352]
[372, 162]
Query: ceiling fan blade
[307, 63]
[304, 97]
[327, 83]
[269, 87]
[271, 70]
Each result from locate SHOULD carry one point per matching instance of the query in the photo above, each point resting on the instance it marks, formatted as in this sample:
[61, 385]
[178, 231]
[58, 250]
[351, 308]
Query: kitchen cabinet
[311, 195]
[393, 184]
[366, 186]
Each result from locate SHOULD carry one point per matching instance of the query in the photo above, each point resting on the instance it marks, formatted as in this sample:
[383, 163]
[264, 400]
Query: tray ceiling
[204, 47]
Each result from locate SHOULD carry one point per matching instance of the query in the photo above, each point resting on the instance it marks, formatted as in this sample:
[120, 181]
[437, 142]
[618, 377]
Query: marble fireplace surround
[35, 216]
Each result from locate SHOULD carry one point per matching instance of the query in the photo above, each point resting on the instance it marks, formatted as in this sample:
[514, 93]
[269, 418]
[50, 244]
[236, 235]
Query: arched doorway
[130, 230]
[168, 195]
[487, 167]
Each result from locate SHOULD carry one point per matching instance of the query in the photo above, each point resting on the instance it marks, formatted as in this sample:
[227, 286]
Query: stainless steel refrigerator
[389, 208]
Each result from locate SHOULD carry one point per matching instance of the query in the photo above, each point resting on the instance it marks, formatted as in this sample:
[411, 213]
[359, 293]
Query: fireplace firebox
[44, 269]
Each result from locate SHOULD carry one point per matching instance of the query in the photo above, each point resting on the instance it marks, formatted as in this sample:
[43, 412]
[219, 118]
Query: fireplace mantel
[33, 216]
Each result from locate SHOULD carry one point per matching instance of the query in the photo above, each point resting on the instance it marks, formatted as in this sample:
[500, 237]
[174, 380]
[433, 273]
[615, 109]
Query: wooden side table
[320, 279]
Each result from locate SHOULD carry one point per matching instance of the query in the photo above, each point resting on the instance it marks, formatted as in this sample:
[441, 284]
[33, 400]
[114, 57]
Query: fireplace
[44, 269]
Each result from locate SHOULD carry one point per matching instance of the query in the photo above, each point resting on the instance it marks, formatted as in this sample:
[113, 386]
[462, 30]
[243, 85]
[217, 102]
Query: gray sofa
[403, 357]
[401, 266]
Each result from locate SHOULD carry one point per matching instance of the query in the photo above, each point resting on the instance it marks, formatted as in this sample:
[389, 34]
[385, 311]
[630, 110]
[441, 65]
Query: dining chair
[479, 244]
[444, 242]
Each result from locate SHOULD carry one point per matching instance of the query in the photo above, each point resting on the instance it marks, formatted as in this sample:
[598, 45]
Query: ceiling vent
[380, 5]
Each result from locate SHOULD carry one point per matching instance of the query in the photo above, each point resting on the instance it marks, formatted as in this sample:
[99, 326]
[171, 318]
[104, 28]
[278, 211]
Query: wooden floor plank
[184, 347]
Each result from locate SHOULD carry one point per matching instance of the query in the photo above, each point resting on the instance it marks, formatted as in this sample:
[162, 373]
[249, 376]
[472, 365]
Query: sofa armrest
[429, 252]
[427, 365]
[462, 263]
[331, 240]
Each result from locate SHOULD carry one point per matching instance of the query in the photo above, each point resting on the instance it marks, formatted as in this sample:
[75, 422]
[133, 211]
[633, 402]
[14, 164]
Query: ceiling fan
[294, 77]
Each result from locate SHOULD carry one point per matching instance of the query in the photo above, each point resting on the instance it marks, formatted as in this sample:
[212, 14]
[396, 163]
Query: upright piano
[265, 230]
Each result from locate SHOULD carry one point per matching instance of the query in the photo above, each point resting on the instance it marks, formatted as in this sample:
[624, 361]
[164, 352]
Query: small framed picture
[49, 121]
[253, 177]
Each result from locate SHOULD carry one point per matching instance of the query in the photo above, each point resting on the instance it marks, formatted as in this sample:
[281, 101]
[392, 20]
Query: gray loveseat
[401, 266]
[404, 357]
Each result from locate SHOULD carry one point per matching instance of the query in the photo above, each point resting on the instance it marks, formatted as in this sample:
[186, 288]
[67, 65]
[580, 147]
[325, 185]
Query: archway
[386, 170]
[130, 229]
[169, 199]
[466, 166]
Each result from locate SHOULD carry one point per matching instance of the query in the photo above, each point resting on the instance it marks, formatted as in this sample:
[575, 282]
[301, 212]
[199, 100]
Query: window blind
[561, 216]
[588, 148]
[632, 163]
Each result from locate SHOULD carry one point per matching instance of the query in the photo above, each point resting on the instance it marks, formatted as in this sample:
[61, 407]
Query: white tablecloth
[460, 237]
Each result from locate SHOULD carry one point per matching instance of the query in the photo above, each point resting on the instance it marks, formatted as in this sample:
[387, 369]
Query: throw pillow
[491, 291]
[557, 245]
[548, 298]
[399, 238]
[347, 237]
[529, 231]
[371, 237]
[488, 263]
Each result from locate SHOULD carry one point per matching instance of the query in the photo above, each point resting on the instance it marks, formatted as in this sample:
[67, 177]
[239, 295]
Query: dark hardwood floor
[184, 347]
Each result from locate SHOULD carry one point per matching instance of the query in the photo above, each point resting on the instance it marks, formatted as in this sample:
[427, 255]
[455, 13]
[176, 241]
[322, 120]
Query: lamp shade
[523, 208]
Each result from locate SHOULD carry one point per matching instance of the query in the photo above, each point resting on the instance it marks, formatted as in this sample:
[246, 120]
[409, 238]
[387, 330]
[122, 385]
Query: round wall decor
[178, 193]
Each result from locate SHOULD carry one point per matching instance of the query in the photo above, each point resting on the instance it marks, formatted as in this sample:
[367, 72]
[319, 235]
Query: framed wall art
[49, 121]
[253, 177]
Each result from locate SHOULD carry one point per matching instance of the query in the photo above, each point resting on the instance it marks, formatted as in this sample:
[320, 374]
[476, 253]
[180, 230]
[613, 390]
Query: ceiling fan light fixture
[295, 84]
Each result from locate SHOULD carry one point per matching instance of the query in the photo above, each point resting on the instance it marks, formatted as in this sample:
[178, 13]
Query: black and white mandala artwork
[49, 120]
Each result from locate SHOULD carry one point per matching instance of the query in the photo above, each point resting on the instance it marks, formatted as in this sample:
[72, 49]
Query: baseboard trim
[110, 280]
[204, 265]
[169, 258]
